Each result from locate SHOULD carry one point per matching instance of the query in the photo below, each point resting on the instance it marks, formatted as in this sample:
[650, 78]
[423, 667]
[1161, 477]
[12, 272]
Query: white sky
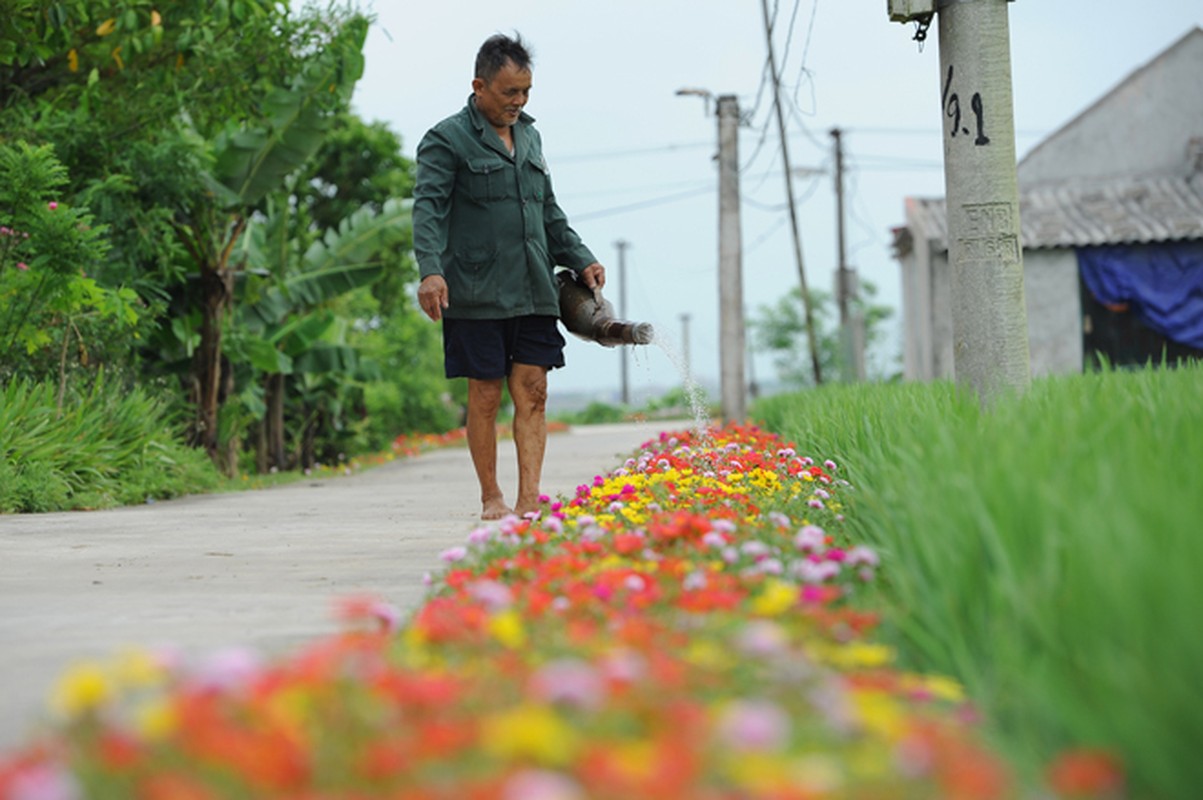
[619, 141]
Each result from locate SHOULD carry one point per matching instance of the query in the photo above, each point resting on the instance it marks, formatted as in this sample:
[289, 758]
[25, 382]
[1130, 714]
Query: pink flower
[539, 784]
[570, 681]
[43, 782]
[754, 725]
[52, 205]
[21, 265]
[453, 554]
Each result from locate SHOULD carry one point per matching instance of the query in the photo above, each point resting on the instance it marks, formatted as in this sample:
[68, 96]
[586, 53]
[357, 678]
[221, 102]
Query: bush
[104, 447]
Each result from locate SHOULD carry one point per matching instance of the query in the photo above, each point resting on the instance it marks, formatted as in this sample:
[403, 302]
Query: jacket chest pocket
[488, 179]
[538, 178]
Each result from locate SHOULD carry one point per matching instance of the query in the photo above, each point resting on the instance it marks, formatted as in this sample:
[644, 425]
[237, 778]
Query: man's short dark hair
[496, 51]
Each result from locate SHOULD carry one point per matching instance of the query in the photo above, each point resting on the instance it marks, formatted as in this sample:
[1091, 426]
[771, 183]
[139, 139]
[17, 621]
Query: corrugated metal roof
[1119, 211]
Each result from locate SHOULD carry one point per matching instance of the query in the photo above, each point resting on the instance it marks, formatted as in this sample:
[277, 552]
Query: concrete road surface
[259, 569]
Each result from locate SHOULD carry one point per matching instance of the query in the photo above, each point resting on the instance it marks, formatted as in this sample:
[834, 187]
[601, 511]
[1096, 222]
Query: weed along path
[260, 569]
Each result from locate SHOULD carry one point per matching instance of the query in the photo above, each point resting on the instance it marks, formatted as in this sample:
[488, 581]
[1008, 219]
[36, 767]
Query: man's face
[501, 99]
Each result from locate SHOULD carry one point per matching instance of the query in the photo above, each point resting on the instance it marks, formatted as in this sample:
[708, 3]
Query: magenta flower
[52, 205]
[21, 265]
[453, 554]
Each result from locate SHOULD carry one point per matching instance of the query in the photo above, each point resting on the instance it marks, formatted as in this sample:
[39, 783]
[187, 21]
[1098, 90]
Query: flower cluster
[686, 626]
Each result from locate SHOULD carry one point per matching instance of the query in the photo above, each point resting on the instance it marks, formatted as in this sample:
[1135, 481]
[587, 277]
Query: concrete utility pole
[685, 344]
[730, 265]
[622, 246]
[852, 322]
[789, 194]
[989, 316]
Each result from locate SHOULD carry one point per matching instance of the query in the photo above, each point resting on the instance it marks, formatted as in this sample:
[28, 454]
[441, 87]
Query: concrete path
[261, 569]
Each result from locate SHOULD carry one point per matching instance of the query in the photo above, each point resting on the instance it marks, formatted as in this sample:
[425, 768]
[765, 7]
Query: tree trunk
[216, 290]
[275, 421]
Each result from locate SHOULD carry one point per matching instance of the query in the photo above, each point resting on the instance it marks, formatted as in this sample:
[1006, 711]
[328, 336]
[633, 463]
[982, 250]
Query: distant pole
[730, 279]
[622, 246]
[990, 332]
[851, 339]
[789, 193]
[685, 344]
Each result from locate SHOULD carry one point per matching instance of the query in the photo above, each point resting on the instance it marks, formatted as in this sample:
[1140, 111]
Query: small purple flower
[480, 535]
[493, 594]
[822, 494]
[779, 519]
[830, 465]
[810, 572]
[553, 525]
[771, 566]
[724, 526]
[694, 581]
[43, 782]
[635, 583]
[862, 555]
[754, 725]
[227, 669]
[755, 548]
[810, 538]
[761, 637]
[786, 452]
[730, 555]
[814, 502]
[713, 539]
[570, 681]
[453, 554]
[541, 784]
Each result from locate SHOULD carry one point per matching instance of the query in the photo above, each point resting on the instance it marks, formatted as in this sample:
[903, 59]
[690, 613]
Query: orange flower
[1086, 773]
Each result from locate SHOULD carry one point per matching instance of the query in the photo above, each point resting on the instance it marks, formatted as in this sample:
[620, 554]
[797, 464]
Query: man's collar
[479, 121]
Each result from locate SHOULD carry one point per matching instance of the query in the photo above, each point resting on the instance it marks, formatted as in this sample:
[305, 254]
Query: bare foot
[495, 508]
[525, 510]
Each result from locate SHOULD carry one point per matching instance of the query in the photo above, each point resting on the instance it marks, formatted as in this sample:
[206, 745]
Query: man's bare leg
[484, 401]
[528, 390]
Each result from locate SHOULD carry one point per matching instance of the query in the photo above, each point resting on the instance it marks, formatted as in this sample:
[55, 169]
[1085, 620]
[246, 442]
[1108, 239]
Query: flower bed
[687, 626]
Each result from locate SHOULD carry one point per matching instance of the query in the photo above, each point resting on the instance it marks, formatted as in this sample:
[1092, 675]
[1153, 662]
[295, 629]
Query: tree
[781, 329]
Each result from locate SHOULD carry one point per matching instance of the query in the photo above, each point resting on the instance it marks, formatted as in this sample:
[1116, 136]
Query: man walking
[488, 235]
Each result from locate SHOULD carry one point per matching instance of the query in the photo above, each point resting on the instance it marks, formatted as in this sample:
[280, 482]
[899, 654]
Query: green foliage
[104, 447]
[47, 250]
[1045, 552]
[781, 329]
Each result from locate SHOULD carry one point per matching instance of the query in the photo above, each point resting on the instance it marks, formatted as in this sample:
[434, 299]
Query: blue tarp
[1161, 283]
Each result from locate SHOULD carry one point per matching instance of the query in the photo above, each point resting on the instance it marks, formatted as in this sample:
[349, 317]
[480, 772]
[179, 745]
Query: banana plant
[285, 327]
[250, 160]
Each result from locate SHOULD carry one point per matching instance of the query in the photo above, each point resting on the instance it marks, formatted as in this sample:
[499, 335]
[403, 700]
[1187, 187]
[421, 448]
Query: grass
[106, 447]
[1046, 552]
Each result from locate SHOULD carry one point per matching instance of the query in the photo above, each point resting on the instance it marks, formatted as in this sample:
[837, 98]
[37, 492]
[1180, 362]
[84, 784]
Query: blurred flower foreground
[688, 626]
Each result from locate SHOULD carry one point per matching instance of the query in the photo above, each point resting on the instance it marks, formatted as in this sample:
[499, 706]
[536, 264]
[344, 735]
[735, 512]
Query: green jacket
[488, 222]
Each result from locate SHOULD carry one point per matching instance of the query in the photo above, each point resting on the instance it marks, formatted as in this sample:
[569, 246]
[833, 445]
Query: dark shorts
[486, 349]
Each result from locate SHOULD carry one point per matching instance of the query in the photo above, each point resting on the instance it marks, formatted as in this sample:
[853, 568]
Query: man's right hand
[432, 296]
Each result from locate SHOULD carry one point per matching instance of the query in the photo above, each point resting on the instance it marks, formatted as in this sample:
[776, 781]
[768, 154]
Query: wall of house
[1140, 128]
[1052, 296]
[1052, 300]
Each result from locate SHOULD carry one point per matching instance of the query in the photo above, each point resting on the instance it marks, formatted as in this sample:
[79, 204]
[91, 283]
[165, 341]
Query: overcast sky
[630, 160]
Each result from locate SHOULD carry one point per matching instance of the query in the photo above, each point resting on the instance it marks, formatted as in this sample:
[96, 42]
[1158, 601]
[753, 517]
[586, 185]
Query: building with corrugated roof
[1111, 213]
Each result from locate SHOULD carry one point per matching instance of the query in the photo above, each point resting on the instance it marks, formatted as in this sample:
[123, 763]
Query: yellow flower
[530, 732]
[83, 688]
[156, 19]
[854, 655]
[73, 60]
[635, 759]
[106, 27]
[759, 773]
[878, 713]
[156, 720]
[775, 598]
[939, 686]
[506, 627]
[707, 654]
[138, 669]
